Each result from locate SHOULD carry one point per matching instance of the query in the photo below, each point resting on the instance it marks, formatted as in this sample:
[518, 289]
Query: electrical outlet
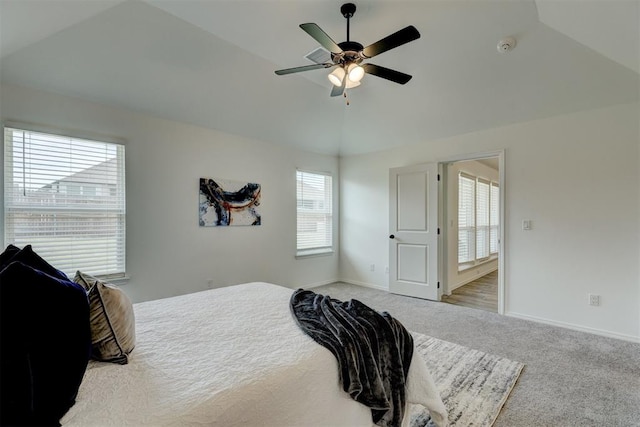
[594, 299]
[372, 267]
[210, 283]
[386, 270]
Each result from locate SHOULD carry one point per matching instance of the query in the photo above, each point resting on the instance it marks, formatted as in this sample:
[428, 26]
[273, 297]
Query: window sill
[468, 266]
[117, 280]
[314, 253]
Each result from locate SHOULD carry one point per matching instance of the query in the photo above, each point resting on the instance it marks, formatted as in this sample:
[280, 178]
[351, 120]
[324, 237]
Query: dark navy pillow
[28, 257]
[6, 256]
[45, 345]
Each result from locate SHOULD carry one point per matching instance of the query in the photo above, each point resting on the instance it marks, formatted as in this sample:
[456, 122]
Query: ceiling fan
[349, 55]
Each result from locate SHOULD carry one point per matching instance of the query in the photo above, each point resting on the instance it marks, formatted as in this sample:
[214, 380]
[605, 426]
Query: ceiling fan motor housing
[350, 53]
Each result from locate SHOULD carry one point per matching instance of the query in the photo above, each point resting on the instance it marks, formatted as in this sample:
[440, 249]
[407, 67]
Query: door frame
[500, 154]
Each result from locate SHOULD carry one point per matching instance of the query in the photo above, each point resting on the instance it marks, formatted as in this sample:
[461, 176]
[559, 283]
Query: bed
[232, 356]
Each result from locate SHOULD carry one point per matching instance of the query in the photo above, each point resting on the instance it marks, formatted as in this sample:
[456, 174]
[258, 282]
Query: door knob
[392, 237]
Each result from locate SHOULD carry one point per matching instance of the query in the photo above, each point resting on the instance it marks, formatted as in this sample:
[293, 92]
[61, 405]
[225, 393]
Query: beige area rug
[473, 385]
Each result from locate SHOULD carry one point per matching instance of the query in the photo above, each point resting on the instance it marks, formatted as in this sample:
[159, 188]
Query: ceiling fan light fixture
[355, 72]
[336, 76]
[351, 85]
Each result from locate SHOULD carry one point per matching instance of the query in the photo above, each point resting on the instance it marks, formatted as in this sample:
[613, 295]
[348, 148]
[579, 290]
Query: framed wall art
[224, 203]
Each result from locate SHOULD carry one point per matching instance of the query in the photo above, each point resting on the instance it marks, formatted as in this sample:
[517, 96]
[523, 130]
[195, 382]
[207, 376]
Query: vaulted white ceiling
[212, 63]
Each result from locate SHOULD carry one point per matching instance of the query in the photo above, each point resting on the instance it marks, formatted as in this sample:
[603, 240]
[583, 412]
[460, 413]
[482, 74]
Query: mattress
[226, 357]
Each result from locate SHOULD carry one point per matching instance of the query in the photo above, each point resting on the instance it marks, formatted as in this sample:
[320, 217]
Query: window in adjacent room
[478, 201]
[65, 196]
[314, 213]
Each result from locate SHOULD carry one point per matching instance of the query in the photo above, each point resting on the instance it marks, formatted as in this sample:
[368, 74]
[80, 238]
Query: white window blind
[494, 217]
[66, 197]
[478, 226]
[466, 218]
[482, 219]
[314, 213]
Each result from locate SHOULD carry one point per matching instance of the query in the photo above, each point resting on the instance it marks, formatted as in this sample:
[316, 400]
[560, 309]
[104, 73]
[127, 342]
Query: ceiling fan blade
[339, 90]
[396, 39]
[303, 68]
[386, 73]
[321, 37]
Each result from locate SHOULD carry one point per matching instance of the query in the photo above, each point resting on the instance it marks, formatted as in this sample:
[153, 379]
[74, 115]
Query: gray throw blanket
[373, 350]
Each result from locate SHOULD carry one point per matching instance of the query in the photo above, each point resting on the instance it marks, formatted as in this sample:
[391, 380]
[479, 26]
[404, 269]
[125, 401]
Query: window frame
[112, 270]
[325, 207]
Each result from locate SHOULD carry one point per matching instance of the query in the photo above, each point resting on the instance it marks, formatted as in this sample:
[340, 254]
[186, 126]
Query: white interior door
[413, 231]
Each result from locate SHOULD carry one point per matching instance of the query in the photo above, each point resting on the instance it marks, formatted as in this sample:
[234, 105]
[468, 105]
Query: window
[494, 218]
[482, 219]
[478, 201]
[314, 213]
[66, 197]
[466, 219]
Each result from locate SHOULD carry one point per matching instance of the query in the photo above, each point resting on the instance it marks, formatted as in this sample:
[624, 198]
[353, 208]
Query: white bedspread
[226, 357]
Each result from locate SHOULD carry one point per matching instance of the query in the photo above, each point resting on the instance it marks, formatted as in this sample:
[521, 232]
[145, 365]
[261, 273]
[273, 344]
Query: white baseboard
[317, 284]
[483, 272]
[365, 285]
[565, 325]
[595, 331]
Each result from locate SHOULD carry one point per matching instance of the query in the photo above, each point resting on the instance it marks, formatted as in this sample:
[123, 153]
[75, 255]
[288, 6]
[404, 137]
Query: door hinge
[438, 285]
[438, 177]
[438, 231]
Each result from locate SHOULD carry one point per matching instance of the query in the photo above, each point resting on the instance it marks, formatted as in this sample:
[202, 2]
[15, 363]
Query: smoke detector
[507, 44]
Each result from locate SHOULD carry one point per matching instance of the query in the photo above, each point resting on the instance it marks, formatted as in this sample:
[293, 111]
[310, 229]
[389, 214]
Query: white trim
[502, 308]
[470, 279]
[500, 154]
[469, 265]
[317, 284]
[306, 253]
[118, 281]
[601, 332]
[364, 284]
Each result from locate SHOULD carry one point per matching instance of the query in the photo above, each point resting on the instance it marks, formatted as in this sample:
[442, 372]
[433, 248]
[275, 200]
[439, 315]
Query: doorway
[472, 213]
[423, 228]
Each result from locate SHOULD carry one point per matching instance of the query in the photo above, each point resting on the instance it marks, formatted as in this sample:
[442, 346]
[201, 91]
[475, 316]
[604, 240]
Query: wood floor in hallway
[482, 293]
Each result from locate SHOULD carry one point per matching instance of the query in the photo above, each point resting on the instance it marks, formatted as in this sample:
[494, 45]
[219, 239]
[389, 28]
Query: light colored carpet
[473, 385]
[571, 378]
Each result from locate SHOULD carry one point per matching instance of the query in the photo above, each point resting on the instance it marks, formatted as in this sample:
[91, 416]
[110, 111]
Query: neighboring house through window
[314, 213]
[65, 196]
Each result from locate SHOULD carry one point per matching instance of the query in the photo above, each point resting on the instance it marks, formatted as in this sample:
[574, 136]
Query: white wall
[575, 176]
[455, 278]
[167, 252]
